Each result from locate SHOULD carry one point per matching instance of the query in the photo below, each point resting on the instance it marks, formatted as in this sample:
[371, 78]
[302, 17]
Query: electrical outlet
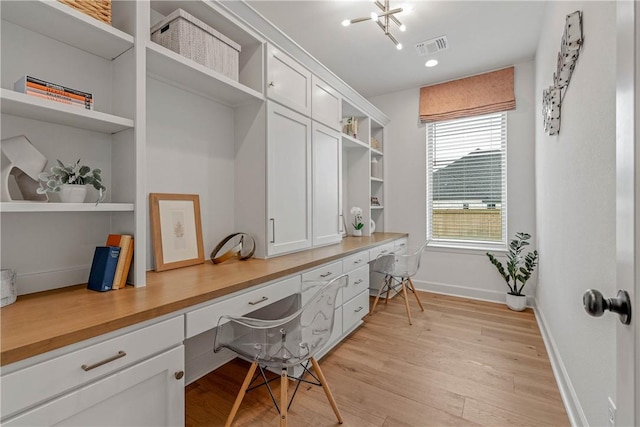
[612, 413]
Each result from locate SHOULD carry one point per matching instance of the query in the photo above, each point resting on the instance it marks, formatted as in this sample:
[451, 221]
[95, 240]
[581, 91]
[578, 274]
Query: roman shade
[472, 96]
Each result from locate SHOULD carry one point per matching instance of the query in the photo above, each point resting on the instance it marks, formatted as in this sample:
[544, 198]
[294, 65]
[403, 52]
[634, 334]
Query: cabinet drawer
[400, 246]
[37, 383]
[382, 249]
[355, 261]
[358, 282]
[324, 273]
[206, 318]
[354, 310]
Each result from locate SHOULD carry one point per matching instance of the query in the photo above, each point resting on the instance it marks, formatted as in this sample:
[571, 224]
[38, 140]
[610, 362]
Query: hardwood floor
[462, 362]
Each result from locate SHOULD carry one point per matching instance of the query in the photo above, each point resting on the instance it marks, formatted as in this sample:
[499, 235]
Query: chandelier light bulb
[403, 27]
[431, 63]
[374, 16]
[399, 46]
[346, 23]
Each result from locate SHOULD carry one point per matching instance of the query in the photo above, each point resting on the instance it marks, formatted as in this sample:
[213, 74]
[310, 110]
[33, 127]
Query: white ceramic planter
[516, 302]
[357, 233]
[71, 193]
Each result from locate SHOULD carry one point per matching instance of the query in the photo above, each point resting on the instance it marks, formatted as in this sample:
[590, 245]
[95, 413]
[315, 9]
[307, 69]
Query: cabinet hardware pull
[358, 309]
[103, 362]
[340, 229]
[271, 84]
[383, 252]
[327, 274]
[357, 282]
[179, 375]
[357, 262]
[273, 230]
[263, 299]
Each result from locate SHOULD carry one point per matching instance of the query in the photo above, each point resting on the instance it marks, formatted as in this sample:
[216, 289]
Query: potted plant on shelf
[358, 223]
[71, 182]
[516, 271]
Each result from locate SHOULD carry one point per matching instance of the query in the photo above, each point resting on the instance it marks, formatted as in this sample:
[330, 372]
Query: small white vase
[372, 226]
[357, 233]
[72, 193]
[516, 302]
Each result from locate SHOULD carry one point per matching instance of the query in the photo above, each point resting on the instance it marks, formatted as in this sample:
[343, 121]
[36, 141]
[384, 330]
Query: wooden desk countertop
[45, 321]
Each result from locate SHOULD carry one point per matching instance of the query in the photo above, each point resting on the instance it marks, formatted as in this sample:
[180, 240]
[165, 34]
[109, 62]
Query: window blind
[466, 179]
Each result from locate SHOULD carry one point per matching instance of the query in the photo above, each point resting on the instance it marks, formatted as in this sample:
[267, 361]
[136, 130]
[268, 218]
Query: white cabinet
[327, 185]
[326, 104]
[288, 82]
[288, 180]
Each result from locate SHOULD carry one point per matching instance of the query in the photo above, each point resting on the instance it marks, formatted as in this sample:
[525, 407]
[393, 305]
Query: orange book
[125, 243]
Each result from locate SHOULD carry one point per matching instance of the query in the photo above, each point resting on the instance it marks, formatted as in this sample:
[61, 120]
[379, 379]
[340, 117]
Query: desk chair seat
[283, 343]
[398, 270]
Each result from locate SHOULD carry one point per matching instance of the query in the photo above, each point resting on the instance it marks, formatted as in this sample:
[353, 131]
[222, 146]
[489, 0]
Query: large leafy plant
[518, 268]
[70, 174]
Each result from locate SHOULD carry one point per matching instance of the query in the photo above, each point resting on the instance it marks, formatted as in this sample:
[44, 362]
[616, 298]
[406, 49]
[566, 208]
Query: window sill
[466, 248]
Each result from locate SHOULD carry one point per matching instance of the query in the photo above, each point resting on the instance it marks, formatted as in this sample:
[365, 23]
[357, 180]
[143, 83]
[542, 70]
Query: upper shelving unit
[177, 70]
[351, 142]
[62, 23]
[19, 104]
[64, 207]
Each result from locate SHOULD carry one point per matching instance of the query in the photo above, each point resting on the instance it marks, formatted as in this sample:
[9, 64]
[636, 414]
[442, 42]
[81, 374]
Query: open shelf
[184, 73]
[377, 207]
[20, 104]
[64, 207]
[351, 142]
[374, 179]
[67, 25]
[376, 152]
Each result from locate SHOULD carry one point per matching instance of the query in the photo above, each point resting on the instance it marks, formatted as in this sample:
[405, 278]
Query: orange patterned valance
[472, 96]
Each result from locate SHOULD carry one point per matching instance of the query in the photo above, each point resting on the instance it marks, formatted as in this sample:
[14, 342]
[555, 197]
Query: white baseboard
[462, 291]
[567, 392]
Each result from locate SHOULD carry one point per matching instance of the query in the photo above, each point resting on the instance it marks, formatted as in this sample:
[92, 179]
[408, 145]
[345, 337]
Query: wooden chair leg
[375, 302]
[389, 283]
[413, 288]
[284, 401]
[325, 387]
[406, 300]
[241, 393]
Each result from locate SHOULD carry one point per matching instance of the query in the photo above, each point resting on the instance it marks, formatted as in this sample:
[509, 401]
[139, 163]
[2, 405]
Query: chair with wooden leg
[283, 345]
[398, 269]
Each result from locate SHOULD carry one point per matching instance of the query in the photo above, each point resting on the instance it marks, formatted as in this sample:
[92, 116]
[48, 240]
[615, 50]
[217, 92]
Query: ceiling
[482, 36]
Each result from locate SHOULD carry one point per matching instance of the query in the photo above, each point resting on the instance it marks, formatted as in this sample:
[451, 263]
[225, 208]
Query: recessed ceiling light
[431, 63]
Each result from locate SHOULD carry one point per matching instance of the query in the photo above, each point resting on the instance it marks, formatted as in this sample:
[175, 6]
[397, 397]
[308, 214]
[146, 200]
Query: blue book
[103, 268]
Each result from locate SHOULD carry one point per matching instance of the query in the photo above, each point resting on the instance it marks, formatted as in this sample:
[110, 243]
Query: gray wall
[456, 271]
[575, 182]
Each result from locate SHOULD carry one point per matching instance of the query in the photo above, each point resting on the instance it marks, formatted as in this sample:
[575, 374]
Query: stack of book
[111, 263]
[54, 92]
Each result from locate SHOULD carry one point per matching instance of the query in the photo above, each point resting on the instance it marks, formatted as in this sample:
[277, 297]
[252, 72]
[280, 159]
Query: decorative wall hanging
[240, 245]
[176, 230]
[572, 41]
[24, 162]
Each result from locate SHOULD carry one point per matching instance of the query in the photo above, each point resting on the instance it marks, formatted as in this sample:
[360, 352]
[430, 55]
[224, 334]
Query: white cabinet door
[327, 185]
[326, 104]
[146, 394]
[288, 180]
[288, 82]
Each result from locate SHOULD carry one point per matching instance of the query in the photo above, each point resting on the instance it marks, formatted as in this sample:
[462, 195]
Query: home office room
[312, 213]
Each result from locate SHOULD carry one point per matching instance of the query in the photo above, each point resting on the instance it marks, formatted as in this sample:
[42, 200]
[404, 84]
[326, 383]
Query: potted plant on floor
[71, 182]
[516, 271]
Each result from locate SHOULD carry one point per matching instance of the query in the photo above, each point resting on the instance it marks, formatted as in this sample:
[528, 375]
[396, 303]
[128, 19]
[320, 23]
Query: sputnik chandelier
[383, 20]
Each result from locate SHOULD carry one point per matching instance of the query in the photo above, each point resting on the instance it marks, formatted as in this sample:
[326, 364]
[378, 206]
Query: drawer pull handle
[357, 262]
[104, 362]
[358, 309]
[327, 274]
[384, 252]
[357, 282]
[263, 299]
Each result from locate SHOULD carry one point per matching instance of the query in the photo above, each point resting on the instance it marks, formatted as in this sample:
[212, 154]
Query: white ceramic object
[357, 233]
[372, 226]
[8, 293]
[72, 193]
[22, 160]
[516, 302]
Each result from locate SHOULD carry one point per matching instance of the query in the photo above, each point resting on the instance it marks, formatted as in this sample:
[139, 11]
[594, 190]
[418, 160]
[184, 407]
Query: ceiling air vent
[432, 46]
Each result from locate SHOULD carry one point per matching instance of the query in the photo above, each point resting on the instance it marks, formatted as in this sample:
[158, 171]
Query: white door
[288, 180]
[327, 185]
[628, 210]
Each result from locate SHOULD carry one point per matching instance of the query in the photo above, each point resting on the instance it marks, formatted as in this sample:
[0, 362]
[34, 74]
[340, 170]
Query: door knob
[595, 304]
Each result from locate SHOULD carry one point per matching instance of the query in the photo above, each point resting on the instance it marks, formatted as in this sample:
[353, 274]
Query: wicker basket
[99, 9]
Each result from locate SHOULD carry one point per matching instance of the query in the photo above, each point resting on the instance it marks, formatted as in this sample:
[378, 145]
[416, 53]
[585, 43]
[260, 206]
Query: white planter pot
[516, 302]
[71, 193]
[357, 233]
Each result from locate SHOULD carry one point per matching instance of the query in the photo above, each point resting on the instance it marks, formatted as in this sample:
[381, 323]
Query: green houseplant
[518, 270]
[68, 179]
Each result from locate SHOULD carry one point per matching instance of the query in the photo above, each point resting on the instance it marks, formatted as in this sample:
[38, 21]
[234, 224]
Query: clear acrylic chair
[282, 344]
[398, 270]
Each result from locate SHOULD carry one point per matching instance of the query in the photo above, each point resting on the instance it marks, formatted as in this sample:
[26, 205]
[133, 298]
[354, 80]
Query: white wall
[575, 181]
[459, 272]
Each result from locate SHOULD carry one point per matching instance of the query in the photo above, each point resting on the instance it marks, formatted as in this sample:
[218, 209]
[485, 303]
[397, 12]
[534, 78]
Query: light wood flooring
[462, 362]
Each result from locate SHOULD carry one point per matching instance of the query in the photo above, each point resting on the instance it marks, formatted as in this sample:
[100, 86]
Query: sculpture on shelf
[24, 162]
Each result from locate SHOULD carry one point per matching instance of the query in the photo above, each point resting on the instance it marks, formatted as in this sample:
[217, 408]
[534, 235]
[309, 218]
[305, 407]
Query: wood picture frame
[176, 230]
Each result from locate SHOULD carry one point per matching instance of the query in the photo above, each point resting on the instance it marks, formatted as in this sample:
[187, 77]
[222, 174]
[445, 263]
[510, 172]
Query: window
[466, 181]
